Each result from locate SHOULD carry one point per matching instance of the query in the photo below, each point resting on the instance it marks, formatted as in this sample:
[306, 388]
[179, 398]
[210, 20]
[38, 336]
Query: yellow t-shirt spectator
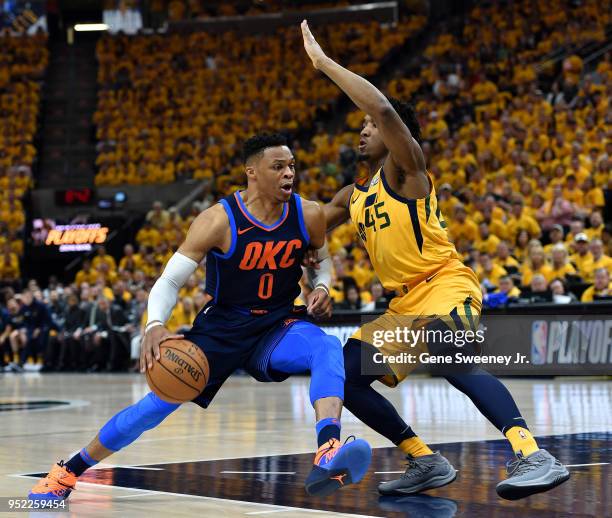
[148, 237]
[493, 276]
[527, 273]
[468, 230]
[590, 292]
[584, 265]
[488, 245]
[134, 261]
[524, 222]
[566, 269]
[108, 259]
[509, 262]
[89, 277]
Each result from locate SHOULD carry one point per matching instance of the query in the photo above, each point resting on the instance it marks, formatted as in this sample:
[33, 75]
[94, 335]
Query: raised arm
[405, 154]
[209, 230]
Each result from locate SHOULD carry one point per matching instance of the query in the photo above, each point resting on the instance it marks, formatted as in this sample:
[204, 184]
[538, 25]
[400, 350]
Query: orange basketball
[181, 372]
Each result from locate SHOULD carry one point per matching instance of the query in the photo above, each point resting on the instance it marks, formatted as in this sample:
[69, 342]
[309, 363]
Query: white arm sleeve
[164, 292]
[322, 276]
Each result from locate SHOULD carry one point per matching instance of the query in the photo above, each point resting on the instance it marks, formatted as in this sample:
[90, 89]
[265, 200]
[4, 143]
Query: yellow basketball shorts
[452, 294]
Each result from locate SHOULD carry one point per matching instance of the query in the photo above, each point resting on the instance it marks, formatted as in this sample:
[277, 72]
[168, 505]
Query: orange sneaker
[57, 485]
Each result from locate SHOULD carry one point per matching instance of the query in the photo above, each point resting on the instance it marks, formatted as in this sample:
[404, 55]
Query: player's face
[371, 146]
[275, 173]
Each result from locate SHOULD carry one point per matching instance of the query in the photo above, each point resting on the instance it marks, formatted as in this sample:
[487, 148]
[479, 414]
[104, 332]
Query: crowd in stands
[175, 107]
[86, 328]
[23, 61]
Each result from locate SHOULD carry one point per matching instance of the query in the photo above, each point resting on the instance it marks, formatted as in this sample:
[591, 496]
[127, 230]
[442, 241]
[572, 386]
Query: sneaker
[422, 473]
[57, 485]
[533, 474]
[338, 465]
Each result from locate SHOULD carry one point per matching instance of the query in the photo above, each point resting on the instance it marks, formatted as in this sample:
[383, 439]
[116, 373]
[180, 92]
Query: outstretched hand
[313, 49]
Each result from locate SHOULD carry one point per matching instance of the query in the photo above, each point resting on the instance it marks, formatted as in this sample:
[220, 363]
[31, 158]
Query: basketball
[181, 372]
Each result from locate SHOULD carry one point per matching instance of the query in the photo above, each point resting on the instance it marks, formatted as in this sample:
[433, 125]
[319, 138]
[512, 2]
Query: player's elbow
[317, 239]
[384, 110]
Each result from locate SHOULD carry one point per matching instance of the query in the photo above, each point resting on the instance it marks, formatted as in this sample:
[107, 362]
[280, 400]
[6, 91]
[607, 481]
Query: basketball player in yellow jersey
[396, 215]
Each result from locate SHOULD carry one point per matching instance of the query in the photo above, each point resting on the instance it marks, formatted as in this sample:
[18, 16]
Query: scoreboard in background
[87, 197]
[72, 197]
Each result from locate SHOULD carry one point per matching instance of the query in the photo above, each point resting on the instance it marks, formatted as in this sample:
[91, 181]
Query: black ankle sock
[329, 432]
[328, 428]
[77, 465]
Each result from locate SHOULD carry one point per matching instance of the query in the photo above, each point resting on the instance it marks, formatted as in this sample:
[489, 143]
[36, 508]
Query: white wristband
[153, 324]
[323, 287]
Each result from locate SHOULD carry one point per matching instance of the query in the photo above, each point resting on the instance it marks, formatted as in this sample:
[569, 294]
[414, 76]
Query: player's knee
[332, 347]
[152, 410]
[327, 353]
[327, 369]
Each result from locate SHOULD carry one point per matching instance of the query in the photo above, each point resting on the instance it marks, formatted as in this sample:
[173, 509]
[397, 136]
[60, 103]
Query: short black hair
[258, 143]
[408, 115]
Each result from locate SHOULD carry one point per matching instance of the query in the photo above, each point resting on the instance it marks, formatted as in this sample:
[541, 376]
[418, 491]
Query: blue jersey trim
[254, 220]
[218, 282]
[212, 272]
[232, 222]
[300, 215]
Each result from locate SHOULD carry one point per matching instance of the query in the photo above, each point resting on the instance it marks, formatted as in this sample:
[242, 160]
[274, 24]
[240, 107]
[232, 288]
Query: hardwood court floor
[247, 455]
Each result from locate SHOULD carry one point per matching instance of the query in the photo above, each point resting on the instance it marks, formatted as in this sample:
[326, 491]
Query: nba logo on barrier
[539, 341]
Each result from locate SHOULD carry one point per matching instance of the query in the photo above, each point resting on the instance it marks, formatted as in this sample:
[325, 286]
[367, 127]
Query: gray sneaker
[533, 474]
[422, 473]
[13, 367]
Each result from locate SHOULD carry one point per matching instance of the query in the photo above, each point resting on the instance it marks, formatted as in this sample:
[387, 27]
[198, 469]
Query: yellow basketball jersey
[405, 239]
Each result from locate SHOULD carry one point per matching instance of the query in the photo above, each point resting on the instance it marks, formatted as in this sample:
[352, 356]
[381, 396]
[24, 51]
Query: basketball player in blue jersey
[254, 242]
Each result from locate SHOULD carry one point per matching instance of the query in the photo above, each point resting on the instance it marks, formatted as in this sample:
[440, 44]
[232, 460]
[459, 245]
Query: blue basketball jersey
[262, 268]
